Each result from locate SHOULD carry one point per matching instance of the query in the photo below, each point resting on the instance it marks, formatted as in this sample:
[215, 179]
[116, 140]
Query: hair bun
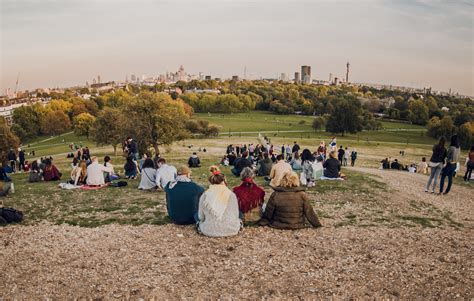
[214, 169]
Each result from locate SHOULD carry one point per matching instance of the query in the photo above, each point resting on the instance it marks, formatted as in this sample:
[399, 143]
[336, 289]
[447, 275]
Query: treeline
[153, 119]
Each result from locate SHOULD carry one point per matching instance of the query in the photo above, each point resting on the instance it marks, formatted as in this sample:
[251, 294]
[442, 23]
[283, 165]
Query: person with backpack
[194, 161]
[353, 157]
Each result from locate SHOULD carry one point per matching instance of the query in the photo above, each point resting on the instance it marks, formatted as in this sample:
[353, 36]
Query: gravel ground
[173, 262]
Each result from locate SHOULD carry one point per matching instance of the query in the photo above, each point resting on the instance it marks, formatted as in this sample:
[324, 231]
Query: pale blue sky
[62, 43]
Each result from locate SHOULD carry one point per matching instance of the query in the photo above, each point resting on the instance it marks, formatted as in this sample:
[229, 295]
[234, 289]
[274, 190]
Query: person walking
[353, 157]
[469, 165]
[452, 160]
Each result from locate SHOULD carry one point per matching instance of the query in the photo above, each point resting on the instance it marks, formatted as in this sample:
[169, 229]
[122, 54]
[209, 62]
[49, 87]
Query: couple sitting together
[219, 211]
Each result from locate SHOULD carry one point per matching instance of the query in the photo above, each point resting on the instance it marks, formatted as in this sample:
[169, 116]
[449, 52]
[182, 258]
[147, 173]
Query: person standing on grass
[21, 159]
[295, 148]
[346, 157]
[12, 158]
[288, 152]
[436, 164]
[218, 213]
[452, 160]
[353, 157]
[340, 154]
[182, 197]
[469, 165]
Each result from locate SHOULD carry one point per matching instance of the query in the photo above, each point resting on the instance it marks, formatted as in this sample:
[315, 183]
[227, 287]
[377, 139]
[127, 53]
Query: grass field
[295, 126]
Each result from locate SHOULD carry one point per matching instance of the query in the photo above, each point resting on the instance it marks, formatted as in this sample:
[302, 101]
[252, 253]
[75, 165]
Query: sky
[60, 43]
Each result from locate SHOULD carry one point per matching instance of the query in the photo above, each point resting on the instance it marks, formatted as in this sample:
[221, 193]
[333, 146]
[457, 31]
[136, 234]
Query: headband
[217, 172]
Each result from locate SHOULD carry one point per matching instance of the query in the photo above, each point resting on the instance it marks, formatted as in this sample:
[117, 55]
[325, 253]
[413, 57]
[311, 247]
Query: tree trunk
[115, 149]
[157, 150]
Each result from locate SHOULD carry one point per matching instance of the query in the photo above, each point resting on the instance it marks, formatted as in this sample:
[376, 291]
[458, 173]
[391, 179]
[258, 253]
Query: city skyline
[415, 43]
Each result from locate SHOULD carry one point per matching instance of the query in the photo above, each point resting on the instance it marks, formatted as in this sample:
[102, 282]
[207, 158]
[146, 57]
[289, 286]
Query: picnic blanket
[87, 187]
[331, 179]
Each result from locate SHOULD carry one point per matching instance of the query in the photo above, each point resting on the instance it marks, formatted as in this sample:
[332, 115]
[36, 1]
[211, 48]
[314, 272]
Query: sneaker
[426, 190]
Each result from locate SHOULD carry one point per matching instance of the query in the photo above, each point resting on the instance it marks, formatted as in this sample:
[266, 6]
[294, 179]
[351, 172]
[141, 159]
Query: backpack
[11, 215]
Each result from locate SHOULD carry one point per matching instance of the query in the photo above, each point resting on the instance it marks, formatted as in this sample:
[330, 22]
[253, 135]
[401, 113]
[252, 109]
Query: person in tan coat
[278, 170]
[289, 206]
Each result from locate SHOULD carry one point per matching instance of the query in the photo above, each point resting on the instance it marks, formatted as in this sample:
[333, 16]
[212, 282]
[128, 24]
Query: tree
[466, 135]
[8, 140]
[154, 120]
[418, 112]
[54, 123]
[108, 128]
[346, 117]
[438, 128]
[318, 123]
[26, 122]
[83, 123]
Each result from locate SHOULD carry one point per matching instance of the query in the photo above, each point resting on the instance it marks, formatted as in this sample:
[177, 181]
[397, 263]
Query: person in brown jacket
[289, 206]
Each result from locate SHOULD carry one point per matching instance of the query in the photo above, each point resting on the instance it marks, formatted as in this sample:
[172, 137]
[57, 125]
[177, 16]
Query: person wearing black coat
[332, 166]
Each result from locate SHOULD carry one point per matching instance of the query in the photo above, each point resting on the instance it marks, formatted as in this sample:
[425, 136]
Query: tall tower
[306, 74]
[347, 72]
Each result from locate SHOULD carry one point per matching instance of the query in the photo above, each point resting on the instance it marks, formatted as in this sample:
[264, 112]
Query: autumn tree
[83, 123]
[155, 119]
[8, 140]
[346, 117]
[318, 123]
[55, 123]
[108, 128]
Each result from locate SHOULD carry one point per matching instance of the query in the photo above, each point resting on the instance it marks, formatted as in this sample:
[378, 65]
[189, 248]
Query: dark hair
[265, 155]
[306, 155]
[441, 142]
[161, 161]
[280, 157]
[48, 162]
[472, 148]
[34, 166]
[245, 154]
[106, 159]
[423, 159]
[148, 164]
[455, 141]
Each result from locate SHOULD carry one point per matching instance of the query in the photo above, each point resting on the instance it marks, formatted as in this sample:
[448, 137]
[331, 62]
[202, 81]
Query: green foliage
[418, 112]
[8, 139]
[26, 122]
[202, 127]
[346, 117]
[108, 128]
[466, 135]
[83, 124]
[55, 123]
[438, 128]
[318, 123]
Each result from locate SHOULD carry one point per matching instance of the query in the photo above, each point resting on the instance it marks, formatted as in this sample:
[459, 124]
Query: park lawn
[298, 126]
[49, 146]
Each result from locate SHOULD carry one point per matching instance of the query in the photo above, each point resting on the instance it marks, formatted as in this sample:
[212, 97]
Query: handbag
[303, 178]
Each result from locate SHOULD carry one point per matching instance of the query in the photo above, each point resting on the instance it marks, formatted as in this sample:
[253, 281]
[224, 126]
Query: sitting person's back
[332, 166]
[130, 168]
[296, 163]
[395, 165]
[278, 170]
[36, 174]
[218, 208]
[250, 197]
[79, 174]
[289, 206]
[148, 175]
[194, 161]
[95, 173]
[182, 197]
[265, 166]
[240, 164]
[164, 174]
[51, 173]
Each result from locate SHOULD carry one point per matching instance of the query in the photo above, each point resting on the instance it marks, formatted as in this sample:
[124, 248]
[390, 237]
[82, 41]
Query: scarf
[217, 197]
[249, 195]
[180, 178]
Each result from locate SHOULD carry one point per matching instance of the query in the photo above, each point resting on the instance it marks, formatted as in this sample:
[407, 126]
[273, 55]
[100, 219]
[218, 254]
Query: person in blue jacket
[182, 197]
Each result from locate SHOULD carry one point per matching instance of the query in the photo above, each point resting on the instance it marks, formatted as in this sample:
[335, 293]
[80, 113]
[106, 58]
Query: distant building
[284, 77]
[235, 78]
[297, 77]
[208, 77]
[306, 74]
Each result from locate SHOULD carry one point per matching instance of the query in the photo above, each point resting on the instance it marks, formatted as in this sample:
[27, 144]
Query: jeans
[13, 165]
[467, 175]
[448, 171]
[435, 171]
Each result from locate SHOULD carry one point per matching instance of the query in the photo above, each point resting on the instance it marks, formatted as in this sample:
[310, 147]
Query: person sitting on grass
[95, 172]
[193, 161]
[295, 162]
[218, 213]
[164, 174]
[3, 174]
[50, 172]
[148, 175]
[308, 172]
[182, 197]
[278, 170]
[395, 165]
[249, 196]
[79, 174]
[289, 206]
[109, 176]
[130, 168]
[264, 166]
[240, 164]
[332, 166]
[5, 188]
[423, 166]
[36, 174]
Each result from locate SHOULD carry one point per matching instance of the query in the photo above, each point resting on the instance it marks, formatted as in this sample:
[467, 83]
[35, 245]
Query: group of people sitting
[311, 165]
[414, 167]
[221, 211]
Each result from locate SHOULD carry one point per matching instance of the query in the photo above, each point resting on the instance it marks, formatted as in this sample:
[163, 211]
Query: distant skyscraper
[347, 72]
[306, 74]
[94, 81]
[133, 77]
[297, 77]
[208, 77]
[284, 77]
[235, 78]
[330, 77]
[98, 79]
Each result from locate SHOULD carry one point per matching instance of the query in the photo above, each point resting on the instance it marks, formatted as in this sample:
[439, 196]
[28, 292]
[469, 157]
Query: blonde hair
[333, 154]
[216, 177]
[290, 179]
